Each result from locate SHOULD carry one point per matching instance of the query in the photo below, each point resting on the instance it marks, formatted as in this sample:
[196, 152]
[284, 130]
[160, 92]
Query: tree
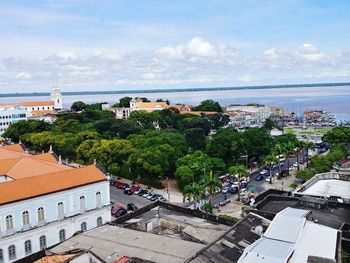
[78, 106]
[23, 127]
[209, 105]
[195, 138]
[338, 135]
[212, 185]
[257, 142]
[218, 120]
[239, 171]
[308, 146]
[184, 175]
[123, 102]
[194, 191]
[269, 124]
[271, 160]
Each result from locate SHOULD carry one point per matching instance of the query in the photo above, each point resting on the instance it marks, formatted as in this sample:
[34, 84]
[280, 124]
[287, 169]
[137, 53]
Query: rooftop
[150, 105]
[331, 216]
[330, 187]
[112, 242]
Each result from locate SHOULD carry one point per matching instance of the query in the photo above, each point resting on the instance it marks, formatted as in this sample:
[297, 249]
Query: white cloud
[148, 75]
[200, 48]
[245, 78]
[310, 53]
[67, 55]
[108, 55]
[24, 76]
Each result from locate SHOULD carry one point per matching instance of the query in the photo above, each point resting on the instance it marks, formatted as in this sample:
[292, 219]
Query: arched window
[83, 226]
[82, 203]
[60, 210]
[98, 199]
[41, 214]
[99, 221]
[9, 222]
[28, 247]
[12, 252]
[25, 218]
[62, 235]
[42, 242]
[1, 256]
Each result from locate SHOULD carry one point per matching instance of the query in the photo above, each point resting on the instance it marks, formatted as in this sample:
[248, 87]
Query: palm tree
[289, 149]
[240, 171]
[194, 191]
[308, 146]
[212, 185]
[270, 160]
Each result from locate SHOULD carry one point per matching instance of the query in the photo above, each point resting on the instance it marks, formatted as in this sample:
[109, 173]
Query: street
[118, 197]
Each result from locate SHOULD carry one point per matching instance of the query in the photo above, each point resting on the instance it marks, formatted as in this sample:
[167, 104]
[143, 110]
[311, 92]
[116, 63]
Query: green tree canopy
[209, 105]
[78, 106]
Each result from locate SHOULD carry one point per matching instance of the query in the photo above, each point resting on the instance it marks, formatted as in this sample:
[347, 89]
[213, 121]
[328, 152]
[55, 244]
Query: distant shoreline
[73, 93]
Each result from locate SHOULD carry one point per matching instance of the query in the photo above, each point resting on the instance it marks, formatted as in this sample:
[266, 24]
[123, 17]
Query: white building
[44, 202]
[10, 114]
[137, 105]
[292, 238]
[262, 112]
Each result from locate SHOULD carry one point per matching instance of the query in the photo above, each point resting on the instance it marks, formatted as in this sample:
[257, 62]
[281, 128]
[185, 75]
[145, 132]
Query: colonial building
[262, 112]
[137, 105]
[44, 202]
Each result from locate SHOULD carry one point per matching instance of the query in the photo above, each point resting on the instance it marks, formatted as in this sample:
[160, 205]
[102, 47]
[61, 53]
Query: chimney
[60, 159]
[95, 162]
[50, 151]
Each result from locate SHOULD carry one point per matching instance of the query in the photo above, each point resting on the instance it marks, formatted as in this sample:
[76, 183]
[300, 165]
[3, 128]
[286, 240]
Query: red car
[116, 208]
[119, 184]
[134, 189]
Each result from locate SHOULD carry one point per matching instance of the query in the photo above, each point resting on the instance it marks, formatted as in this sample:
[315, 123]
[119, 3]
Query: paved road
[118, 197]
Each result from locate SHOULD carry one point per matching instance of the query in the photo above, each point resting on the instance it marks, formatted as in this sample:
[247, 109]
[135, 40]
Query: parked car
[127, 191]
[115, 209]
[243, 185]
[112, 182]
[259, 177]
[233, 189]
[119, 184]
[295, 164]
[138, 191]
[268, 179]
[121, 212]
[150, 195]
[264, 172]
[161, 199]
[242, 191]
[134, 189]
[131, 207]
[126, 187]
[154, 197]
[225, 189]
[144, 193]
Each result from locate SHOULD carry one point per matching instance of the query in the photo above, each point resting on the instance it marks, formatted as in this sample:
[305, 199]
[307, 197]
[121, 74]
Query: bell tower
[56, 97]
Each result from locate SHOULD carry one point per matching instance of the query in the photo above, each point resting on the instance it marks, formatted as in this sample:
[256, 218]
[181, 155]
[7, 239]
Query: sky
[145, 44]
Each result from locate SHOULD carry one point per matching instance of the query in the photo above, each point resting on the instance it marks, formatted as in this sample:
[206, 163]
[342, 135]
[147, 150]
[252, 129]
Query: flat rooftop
[329, 216]
[112, 242]
[179, 225]
[330, 187]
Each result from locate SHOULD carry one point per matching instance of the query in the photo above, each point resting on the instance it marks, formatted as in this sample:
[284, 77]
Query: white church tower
[56, 96]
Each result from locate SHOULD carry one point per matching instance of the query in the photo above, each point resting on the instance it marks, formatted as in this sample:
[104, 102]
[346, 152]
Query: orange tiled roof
[5, 153]
[37, 103]
[150, 105]
[17, 190]
[8, 104]
[14, 147]
[55, 258]
[39, 113]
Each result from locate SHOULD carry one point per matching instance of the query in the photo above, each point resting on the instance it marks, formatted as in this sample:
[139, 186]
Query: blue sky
[95, 45]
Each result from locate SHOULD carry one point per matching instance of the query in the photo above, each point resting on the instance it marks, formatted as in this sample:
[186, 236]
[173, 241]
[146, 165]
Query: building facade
[65, 200]
[9, 115]
[261, 112]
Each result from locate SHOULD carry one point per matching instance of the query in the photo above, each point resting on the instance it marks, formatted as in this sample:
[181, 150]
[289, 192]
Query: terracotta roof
[39, 113]
[150, 105]
[37, 103]
[55, 258]
[14, 147]
[8, 104]
[5, 153]
[21, 189]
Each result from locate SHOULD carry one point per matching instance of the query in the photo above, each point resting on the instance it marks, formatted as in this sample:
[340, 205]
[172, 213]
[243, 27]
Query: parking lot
[118, 197]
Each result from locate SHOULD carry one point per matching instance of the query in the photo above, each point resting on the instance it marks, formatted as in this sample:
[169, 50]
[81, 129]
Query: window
[98, 199]
[62, 235]
[12, 252]
[9, 222]
[41, 215]
[60, 210]
[1, 256]
[82, 203]
[25, 218]
[99, 221]
[83, 226]
[28, 247]
[42, 242]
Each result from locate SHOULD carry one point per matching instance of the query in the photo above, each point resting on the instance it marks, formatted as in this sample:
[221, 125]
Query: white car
[267, 179]
[295, 164]
[242, 191]
[225, 190]
[291, 168]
